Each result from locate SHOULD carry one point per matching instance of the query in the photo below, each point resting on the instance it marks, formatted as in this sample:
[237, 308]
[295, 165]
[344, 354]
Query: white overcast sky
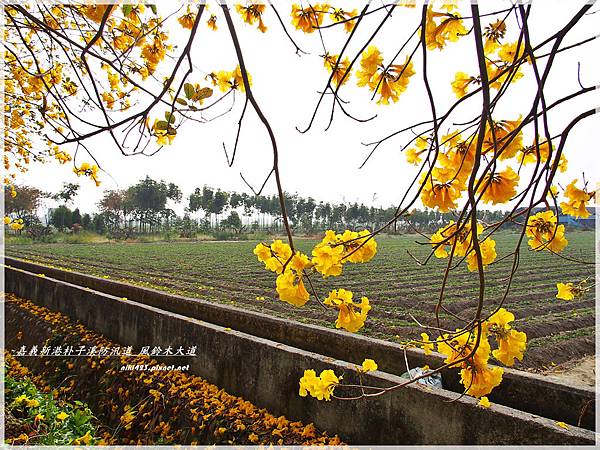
[324, 164]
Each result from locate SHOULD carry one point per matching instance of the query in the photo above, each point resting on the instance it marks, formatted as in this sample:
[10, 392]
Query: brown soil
[580, 372]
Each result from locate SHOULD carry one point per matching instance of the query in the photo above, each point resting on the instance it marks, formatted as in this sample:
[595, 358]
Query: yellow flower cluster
[131, 30]
[499, 187]
[336, 249]
[251, 13]
[388, 82]
[29, 402]
[129, 34]
[461, 83]
[163, 131]
[441, 189]
[328, 258]
[511, 343]
[413, 155]
[96, 12]
[290, 269]
[578, 199]
[570, 291]
[493, 33]
[499, 60]
[348, 317]
[212, 22]
[188, 19]
[426, 344]
[503, 139]
[88, 170]
[154, 53]
[461, 238]
[310, 18]
[339, 72]
[545, 233]
[534, 153]
[477, 376]
[16, 224]
[449, 28]
[61, 156]
[368, 365]
[340, 15]
[445, 184]
[229, 81]
[321, 387]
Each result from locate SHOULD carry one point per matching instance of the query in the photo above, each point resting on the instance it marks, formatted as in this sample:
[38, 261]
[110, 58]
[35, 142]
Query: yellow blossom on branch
[570, 291]
[252, 13]
[15, 225]
[413, 155]
[480, 381]
[426, 344]
[339, 15]
[499, 187]
[348, 316]
[340, 71]
[388, 82]
[545, 233]
[449, 28]
[565, 291]
[493, 33]
[88, 170]
[368, 365]
[512, 343]
[290, 288]
[274, 256]
[327, 257]
[336, 249]
[188, 19]
[487, 249]
[576, 205]
[227, 81]
[310, 18]
[534, 153]
[477, 377]
[503, 139]
[452, 235]
[441, 190]
[461, 83]
[320, 387]
[163, 130]
[511, 52]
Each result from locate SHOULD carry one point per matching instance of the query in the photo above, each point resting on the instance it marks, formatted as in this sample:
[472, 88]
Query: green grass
[82, 237]
[47, 421]
[228, 272]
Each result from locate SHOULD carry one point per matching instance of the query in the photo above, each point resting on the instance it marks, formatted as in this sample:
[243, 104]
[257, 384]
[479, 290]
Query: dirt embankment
[580, 372]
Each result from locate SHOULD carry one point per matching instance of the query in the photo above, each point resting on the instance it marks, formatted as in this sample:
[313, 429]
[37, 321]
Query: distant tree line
[147, 207]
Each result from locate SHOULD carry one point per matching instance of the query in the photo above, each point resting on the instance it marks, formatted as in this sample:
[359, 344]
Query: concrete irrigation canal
[260, 358]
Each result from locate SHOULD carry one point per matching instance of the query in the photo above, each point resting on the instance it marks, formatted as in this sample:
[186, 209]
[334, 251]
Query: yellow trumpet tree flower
[578, 199]
[499, 187]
